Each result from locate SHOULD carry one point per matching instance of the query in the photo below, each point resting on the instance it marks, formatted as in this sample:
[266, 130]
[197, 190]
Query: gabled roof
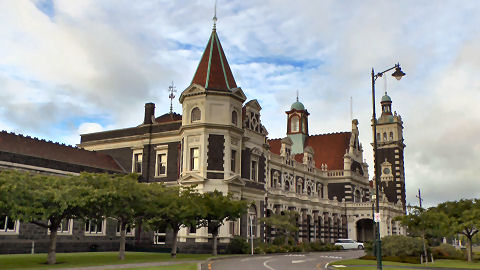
[47, 150]
[328, 149]
[213, 71]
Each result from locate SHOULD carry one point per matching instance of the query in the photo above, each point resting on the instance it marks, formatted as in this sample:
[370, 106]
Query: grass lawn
[439, 263]
[183, 266]
[37, 261]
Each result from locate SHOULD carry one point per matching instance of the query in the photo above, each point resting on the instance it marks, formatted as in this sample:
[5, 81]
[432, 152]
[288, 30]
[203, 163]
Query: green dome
[386, 98]
[297, 106]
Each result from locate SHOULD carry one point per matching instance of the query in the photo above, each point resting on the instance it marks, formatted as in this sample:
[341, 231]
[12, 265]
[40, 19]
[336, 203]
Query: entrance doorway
[365, 230]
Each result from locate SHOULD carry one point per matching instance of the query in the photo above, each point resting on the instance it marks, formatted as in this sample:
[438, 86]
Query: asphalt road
[315, 261]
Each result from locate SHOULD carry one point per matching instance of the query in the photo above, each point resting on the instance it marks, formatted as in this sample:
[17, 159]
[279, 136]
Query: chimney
[149, 113]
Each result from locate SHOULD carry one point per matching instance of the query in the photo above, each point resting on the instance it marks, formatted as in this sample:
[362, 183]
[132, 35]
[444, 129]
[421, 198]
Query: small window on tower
[378, 136]
[384, 136]
[294, 124]
[196, 114]
[234, 117]
[304, 125]
[391, 136]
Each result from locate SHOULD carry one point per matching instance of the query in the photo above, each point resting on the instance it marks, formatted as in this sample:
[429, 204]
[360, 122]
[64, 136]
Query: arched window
[385, 136]
[294, 124]
[196, 114]
[391, 136]
[304, 125]
[287, 185]
[378, 136]
[234, 117]
[309, 191]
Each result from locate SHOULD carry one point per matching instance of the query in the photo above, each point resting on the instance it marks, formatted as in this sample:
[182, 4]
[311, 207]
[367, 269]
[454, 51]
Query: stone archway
[365, 230]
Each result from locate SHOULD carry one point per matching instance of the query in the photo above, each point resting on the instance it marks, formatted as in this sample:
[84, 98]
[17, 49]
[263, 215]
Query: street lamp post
[397, 74]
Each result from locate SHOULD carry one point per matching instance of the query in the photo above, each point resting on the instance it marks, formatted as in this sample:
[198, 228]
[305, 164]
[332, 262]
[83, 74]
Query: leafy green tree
[172, 207]
[285, 223]
[122, 197]
[218, 209]
[461, 217]
[45, 200]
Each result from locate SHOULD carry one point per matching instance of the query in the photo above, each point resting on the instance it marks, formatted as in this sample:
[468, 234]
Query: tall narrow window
[378, 136]
[391, 136]
[161, 164]
[385, 136]
[196, 114]
[254, 170]
[304, 125]
[194, 159]
[234, 117]
[137, 163]
[294, 124]
[233, 160]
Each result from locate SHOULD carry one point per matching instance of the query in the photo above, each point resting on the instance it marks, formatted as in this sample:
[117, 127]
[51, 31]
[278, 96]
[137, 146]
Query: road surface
[310, 261]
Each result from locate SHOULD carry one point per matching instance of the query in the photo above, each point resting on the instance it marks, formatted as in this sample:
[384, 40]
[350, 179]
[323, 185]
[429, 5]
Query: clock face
[386, 171]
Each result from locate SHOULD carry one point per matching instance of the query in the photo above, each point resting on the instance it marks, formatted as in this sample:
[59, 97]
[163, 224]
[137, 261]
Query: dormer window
[234, 117]
[196, 114]
[294, 124]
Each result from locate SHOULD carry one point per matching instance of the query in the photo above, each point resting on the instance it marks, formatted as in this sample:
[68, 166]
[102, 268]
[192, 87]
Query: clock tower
[390, 152]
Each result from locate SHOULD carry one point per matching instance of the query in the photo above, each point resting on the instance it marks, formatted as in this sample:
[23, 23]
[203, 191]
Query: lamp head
[398, 74]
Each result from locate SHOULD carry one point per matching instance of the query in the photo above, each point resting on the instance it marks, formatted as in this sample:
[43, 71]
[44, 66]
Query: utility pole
[419, 196]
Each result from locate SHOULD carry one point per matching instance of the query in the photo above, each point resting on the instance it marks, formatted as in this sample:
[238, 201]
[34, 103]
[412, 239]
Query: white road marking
[299, 261]
[266, 265]
[326, 266]
[294, 255]
[338, 265]
[254, 258]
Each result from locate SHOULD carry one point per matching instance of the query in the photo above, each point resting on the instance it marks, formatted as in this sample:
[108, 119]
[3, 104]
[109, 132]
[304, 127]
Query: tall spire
[213, 71]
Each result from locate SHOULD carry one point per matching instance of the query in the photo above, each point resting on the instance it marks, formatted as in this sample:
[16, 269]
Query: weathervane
[172, 90]
[215, 16]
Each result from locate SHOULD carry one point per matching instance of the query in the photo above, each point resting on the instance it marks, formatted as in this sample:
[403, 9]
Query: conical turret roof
[213, 71]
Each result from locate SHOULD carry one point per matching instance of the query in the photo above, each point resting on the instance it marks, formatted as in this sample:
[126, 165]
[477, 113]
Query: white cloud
[100, 61]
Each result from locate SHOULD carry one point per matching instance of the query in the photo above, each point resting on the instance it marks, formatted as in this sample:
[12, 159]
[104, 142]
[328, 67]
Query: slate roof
[213, 71]
[329, 149]
[168, 118]
[25, 146]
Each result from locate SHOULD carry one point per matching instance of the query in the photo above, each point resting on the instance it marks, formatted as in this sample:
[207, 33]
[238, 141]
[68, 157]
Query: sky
[69, 67]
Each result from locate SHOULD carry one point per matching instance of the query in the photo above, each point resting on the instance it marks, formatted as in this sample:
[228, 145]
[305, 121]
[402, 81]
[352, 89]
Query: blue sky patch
[47, 7]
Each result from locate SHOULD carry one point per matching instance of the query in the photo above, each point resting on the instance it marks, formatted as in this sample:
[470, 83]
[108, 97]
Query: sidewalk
[129, 265]
[337, 267]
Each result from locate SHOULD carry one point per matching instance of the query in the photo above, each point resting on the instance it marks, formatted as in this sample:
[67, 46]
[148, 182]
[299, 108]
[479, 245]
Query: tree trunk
[214, 244]
[121, 253]
[174, 243]
[469, 248]
[51, 258]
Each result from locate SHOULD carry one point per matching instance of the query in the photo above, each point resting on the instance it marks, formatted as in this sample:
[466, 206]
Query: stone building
[39, 156]
[219, 143]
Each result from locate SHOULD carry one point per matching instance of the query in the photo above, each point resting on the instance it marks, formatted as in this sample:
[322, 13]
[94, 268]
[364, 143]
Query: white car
[349, 244]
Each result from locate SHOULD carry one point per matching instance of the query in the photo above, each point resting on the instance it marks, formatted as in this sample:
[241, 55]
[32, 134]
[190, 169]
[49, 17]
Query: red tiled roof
[25, 145]
[213, 71]
[329, 149]
[168, 118]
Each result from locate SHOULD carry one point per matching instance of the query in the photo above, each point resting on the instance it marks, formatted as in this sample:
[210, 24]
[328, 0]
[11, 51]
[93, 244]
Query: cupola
[297, 126]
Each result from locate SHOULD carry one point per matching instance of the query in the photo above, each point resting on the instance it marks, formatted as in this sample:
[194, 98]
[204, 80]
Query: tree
[218, 209]
[45, 200]
[422, 223]
[172, 207]
[461, 217]
[285, 223]
[122, 198]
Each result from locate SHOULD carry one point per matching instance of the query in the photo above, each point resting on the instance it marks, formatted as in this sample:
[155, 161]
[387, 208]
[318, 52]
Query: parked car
[349, 244]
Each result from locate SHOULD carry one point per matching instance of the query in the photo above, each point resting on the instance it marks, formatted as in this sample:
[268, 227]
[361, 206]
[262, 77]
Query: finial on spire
[215, 16]
[172, 90]
[297, 95]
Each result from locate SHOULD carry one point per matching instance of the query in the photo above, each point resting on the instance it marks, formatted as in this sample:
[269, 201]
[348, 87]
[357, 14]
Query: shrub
[402, 246]
[280, 240]
[446, 251]
[238, 245]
